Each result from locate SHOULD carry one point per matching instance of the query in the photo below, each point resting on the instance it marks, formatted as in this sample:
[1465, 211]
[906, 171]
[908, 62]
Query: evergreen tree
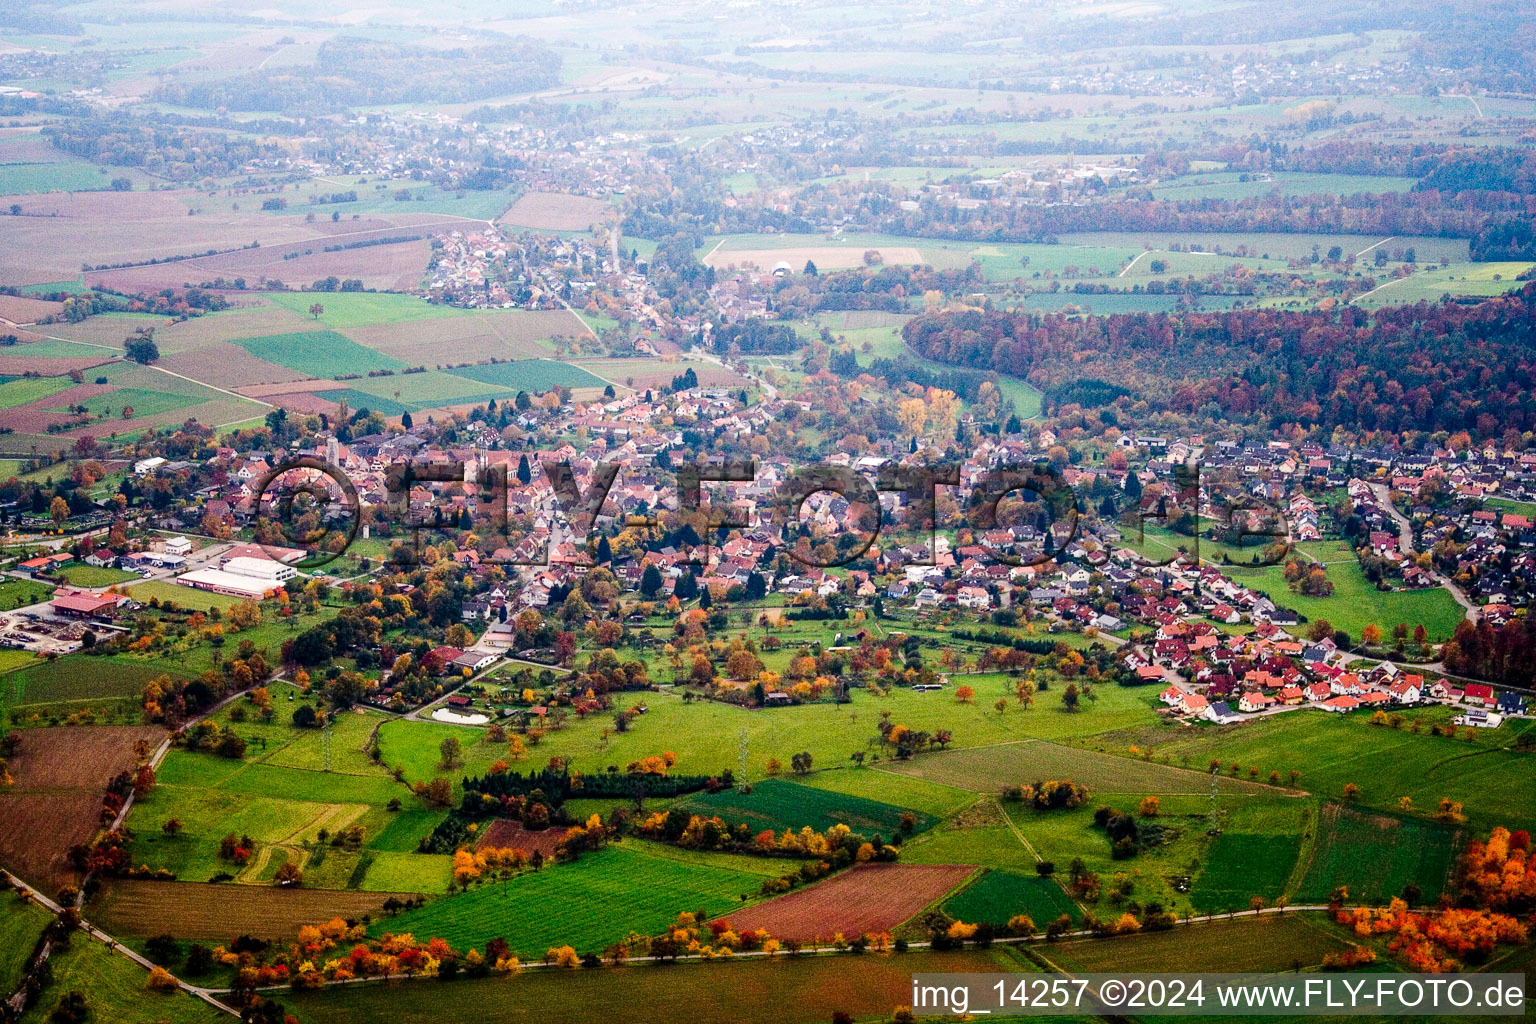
[524, 471]
[705, 600]
[650, 581]
[757, 587]
[604, 551]
[687, 586]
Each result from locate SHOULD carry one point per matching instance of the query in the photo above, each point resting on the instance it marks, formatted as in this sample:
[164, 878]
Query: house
[1478, 694]
[1511, 703]
[1443, 690]
[473, 660]
[1226, 613]
[1340, 704]
[1221, 713]
[973, 597]
[1254, 701]
[1290, 696]
[102, 558]
[178, 546]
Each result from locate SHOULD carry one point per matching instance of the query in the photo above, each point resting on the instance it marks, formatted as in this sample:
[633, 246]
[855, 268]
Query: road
[1405, 544]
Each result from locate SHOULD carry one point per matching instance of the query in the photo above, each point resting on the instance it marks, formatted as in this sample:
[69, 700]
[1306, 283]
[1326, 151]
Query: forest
[1441, 367]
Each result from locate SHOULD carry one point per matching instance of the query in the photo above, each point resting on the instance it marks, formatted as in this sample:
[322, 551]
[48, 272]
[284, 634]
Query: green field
[358, 400]
[744, 991]
[1375, 855]
[114, 990]
[21, 390]
[1270, 943]
[988, 845]
[1355, 603]
[891, 788]
[999, 895]
[530, 375]
[780, 805]
[19, 178]
[144, 401]
[988, 769]
[76, 678]
[589, 904]
[1332, 751]
[1227, 186]
[707, 737]
[21, 925]
[291, 784]
[363, 309]
[318, 353]
[1243, 865]
[1457, 279]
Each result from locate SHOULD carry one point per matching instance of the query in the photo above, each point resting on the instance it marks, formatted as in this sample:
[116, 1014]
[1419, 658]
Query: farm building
[83, 604]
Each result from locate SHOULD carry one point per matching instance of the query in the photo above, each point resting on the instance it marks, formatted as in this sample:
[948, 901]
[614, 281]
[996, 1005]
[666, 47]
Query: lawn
[780, 805]
[998, 895]
[318, 353]
[95, 576]
[589, 904]
[182, 597]
[1375, 855]
[16, 593]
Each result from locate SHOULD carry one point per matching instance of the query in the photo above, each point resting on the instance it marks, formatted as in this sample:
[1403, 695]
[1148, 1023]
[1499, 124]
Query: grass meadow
[574, 904]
